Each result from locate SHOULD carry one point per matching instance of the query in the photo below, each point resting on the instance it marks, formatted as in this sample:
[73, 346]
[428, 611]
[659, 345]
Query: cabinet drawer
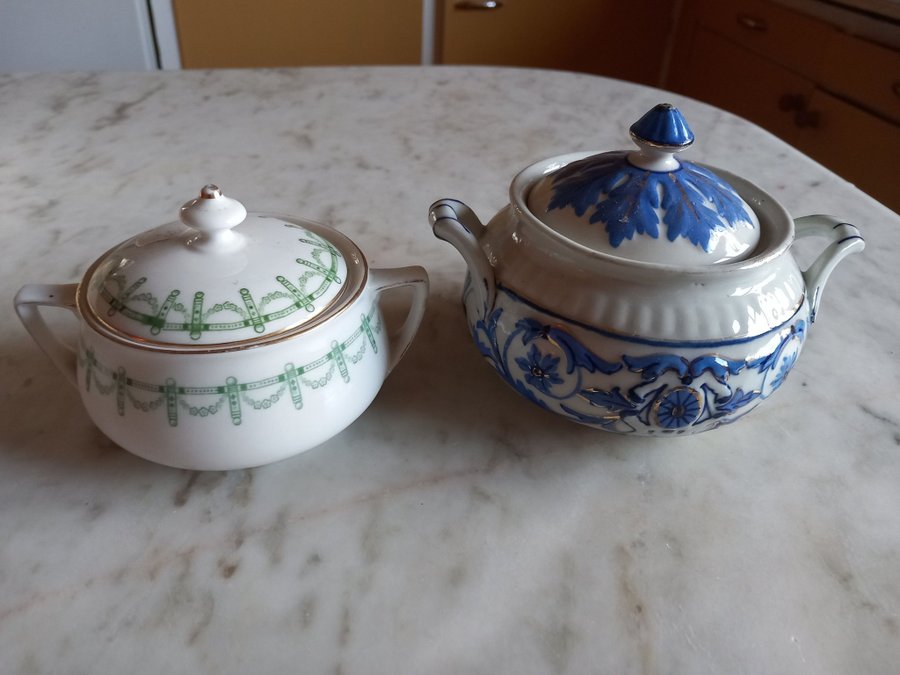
[595, 36]
[863, 71]
[857, 146]
[778, 33]
[734, 78]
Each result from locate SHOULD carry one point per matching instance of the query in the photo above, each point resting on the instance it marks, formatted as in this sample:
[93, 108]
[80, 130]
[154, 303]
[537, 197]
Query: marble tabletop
[453, 528]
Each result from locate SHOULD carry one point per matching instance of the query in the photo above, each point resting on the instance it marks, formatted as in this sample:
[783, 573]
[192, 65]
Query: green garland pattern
[123, 298]
[172, 396]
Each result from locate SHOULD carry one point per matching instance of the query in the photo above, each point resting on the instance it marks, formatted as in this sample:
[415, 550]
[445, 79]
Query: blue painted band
[684, 344]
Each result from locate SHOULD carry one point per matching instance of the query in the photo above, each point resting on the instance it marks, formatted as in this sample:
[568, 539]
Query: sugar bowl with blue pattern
[639, 293]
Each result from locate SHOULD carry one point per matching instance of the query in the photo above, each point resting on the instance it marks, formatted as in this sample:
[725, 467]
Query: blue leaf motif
[725, 201]
[531, 330]
[489, 328]
[718, 366]
[581, 184]
[684, 217]
[588, 419]
[652, 366]
[613, 399]
[483, 349]
[577, 355]
[625, 216]
[771, 360]
[626, 199]
[738, 399]
[580, 356]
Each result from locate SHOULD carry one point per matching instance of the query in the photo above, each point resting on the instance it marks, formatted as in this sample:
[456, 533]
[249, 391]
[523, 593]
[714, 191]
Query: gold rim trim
[357, 266]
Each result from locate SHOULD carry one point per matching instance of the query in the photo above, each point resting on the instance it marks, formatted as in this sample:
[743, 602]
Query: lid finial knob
[659, 134]
[214, 215]
[210, 192]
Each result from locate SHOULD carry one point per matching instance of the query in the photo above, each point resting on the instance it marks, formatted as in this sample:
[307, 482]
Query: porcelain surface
[159, 288]
[646, 340]
[454, 527]
[646, 204]
[178, 392]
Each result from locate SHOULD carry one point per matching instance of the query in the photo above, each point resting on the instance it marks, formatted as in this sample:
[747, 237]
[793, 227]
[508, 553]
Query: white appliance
[66, 35]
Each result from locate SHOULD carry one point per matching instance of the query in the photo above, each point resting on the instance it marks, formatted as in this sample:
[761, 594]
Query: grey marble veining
[452, 528]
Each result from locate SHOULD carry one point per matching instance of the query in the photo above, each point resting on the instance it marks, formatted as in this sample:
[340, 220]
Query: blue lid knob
[664, 126]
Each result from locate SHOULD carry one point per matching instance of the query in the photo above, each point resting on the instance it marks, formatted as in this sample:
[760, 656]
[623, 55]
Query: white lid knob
[213, 214]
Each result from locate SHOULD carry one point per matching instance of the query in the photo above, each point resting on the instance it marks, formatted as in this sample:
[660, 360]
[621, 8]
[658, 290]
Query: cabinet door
[266, 33]
[736, 79]
[863, 71]
[766, 28]
[606, 37]
[776, 67]
[860, 147]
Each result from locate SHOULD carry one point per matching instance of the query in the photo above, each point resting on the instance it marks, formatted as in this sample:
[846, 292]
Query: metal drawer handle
[752, 23]
[483, 4]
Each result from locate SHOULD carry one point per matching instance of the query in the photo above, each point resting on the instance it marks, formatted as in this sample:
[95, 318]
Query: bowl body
[237, 408]
[228, 339]
[633, 346]
[206, 353]
[628, 383]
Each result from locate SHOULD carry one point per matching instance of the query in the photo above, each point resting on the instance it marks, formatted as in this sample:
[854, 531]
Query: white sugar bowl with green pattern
[638, 293]
[228, 340]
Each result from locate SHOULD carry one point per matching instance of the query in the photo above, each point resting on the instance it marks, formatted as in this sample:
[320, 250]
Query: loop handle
[28, 301]
[845, 239]
[384, 280]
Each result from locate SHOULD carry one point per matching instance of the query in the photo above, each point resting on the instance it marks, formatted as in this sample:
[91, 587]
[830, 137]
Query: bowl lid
[646, 204]
[221, 277]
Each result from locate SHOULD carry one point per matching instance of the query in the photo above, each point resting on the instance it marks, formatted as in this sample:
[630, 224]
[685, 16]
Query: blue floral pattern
[658, 392]
[787, 363]
[540, 369]
[626, 199]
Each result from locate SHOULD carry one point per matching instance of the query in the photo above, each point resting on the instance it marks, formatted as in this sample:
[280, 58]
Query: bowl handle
[456, 223]
[388, 279]
[845, 239]
[32, 296]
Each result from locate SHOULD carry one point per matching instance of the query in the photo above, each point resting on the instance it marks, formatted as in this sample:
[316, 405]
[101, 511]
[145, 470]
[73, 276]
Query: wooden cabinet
[858, 145]
[606, 37]
[759, 92]
[834, 96]
[863, 71]
[267, 33]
